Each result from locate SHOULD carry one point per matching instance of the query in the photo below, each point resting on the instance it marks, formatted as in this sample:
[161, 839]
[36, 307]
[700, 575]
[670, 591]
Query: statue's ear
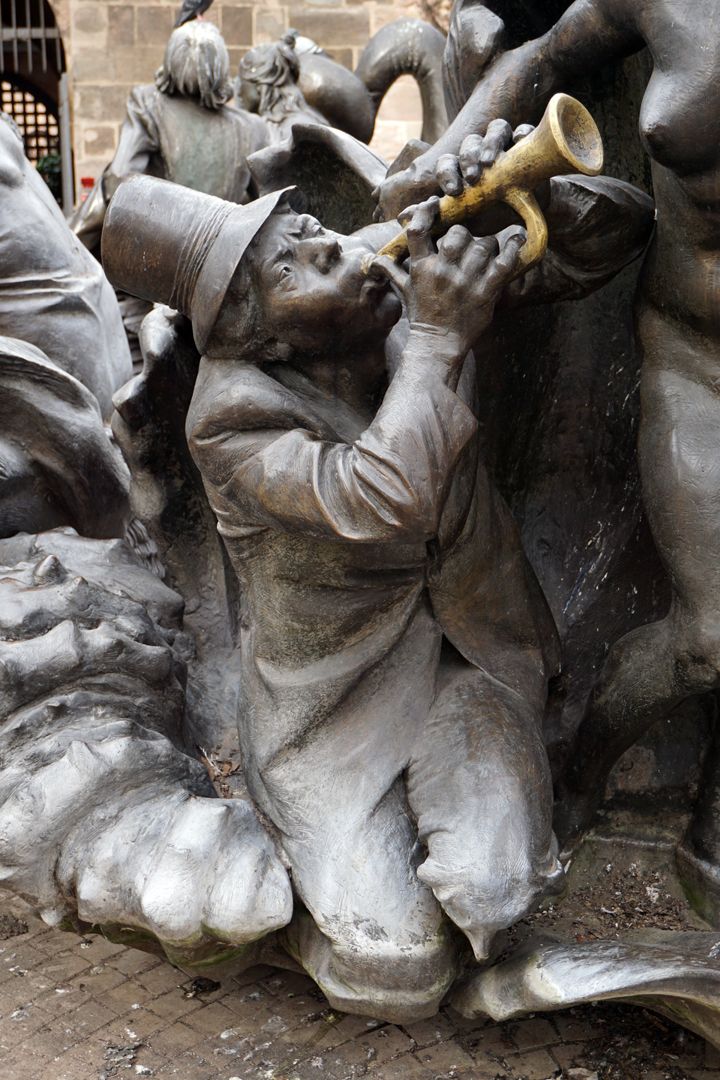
[336, 173]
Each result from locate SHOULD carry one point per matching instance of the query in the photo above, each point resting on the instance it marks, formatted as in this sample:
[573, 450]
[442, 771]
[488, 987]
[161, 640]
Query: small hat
[172, 245]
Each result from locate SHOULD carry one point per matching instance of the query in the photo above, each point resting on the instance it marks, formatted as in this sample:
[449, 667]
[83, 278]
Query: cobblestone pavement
[74, 1009]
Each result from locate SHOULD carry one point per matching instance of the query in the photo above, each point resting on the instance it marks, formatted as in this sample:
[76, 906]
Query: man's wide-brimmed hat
[172, 245]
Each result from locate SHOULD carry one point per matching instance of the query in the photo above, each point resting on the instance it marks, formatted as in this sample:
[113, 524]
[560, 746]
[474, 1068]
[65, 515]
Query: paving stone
[261, 1025]
[712, 1057]
[173, 1003]
[572, 1027]
[569, 1055]
[160, 979]
[444, 1056]
[172, 1040]
[426, 1032]
[537, 1065]
[212, 1019]
[132, 961]
[533, 1034]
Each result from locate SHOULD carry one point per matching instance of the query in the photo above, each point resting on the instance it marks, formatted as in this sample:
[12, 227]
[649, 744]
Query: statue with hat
[393, 648]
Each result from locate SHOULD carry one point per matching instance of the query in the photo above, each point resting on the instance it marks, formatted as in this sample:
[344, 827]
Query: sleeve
[390, 484]
[139, 140]
[597, 226]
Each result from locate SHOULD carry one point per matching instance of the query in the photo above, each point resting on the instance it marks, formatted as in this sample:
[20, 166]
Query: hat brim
[237, 233]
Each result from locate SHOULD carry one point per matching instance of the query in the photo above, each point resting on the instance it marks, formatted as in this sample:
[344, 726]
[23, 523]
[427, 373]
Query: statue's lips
[370, 288]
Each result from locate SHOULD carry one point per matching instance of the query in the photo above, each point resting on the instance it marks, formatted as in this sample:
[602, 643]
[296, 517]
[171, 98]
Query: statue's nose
[323, 251]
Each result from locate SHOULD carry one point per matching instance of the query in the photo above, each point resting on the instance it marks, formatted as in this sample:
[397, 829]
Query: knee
[483, 900]
[697, 657]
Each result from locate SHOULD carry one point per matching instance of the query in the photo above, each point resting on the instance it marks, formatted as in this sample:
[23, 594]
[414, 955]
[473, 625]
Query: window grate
[38, 125]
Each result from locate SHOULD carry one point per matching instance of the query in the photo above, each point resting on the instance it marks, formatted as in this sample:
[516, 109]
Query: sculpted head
[196, 65]
[260, 282]
[267, 79]
[301, 289]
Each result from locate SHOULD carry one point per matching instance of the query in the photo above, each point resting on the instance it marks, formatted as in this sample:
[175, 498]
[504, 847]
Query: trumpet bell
[574, 134]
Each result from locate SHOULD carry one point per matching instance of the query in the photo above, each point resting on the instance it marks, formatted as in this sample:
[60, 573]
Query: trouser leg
[479, 783]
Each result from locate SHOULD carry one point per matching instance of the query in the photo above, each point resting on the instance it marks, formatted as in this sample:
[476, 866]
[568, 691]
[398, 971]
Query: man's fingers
[498, 137]
[454, 243]
[511, 244]
[469, 157]
[478, 255]
[420, 227]
[382, 266]
[522, 132]
[405, 215]
[448, 174]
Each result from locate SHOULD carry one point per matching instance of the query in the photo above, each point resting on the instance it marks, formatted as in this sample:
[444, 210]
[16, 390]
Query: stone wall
[111, 47]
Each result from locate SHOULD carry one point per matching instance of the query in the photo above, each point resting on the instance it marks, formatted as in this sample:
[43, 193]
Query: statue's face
[313, 291]
[249, 95]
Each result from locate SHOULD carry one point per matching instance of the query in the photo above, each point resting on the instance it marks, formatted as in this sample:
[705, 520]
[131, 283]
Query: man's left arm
[597, 226]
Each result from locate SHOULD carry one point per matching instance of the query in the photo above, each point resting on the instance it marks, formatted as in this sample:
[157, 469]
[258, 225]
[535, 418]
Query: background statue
[184, 128]
[268, 85]
[52, 291]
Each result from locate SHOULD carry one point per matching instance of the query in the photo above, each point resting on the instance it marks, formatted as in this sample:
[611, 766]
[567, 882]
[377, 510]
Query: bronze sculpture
[268, 85]
[293, 341]
[307, 453]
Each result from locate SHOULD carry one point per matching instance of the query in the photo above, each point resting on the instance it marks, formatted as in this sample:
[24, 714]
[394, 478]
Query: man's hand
[452, 288]
[477, 153]
[426, 176]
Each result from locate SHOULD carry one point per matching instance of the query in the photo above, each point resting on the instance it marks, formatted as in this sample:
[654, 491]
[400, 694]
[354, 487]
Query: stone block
[121, 25]
[343, 26]
[138, 65]
[237, 25]
[89, 23]
[93, 65]
[99, 140]
[270, 24]
[153, 26]
[343, 56]
[93, 103]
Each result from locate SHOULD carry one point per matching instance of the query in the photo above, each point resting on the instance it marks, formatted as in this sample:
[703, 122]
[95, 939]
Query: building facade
[68, 66]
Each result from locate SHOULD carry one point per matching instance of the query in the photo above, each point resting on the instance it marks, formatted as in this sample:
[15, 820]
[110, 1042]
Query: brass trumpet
[565, 141]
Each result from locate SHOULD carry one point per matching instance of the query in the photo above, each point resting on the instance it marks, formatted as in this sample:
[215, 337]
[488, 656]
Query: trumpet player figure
[396, 648]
